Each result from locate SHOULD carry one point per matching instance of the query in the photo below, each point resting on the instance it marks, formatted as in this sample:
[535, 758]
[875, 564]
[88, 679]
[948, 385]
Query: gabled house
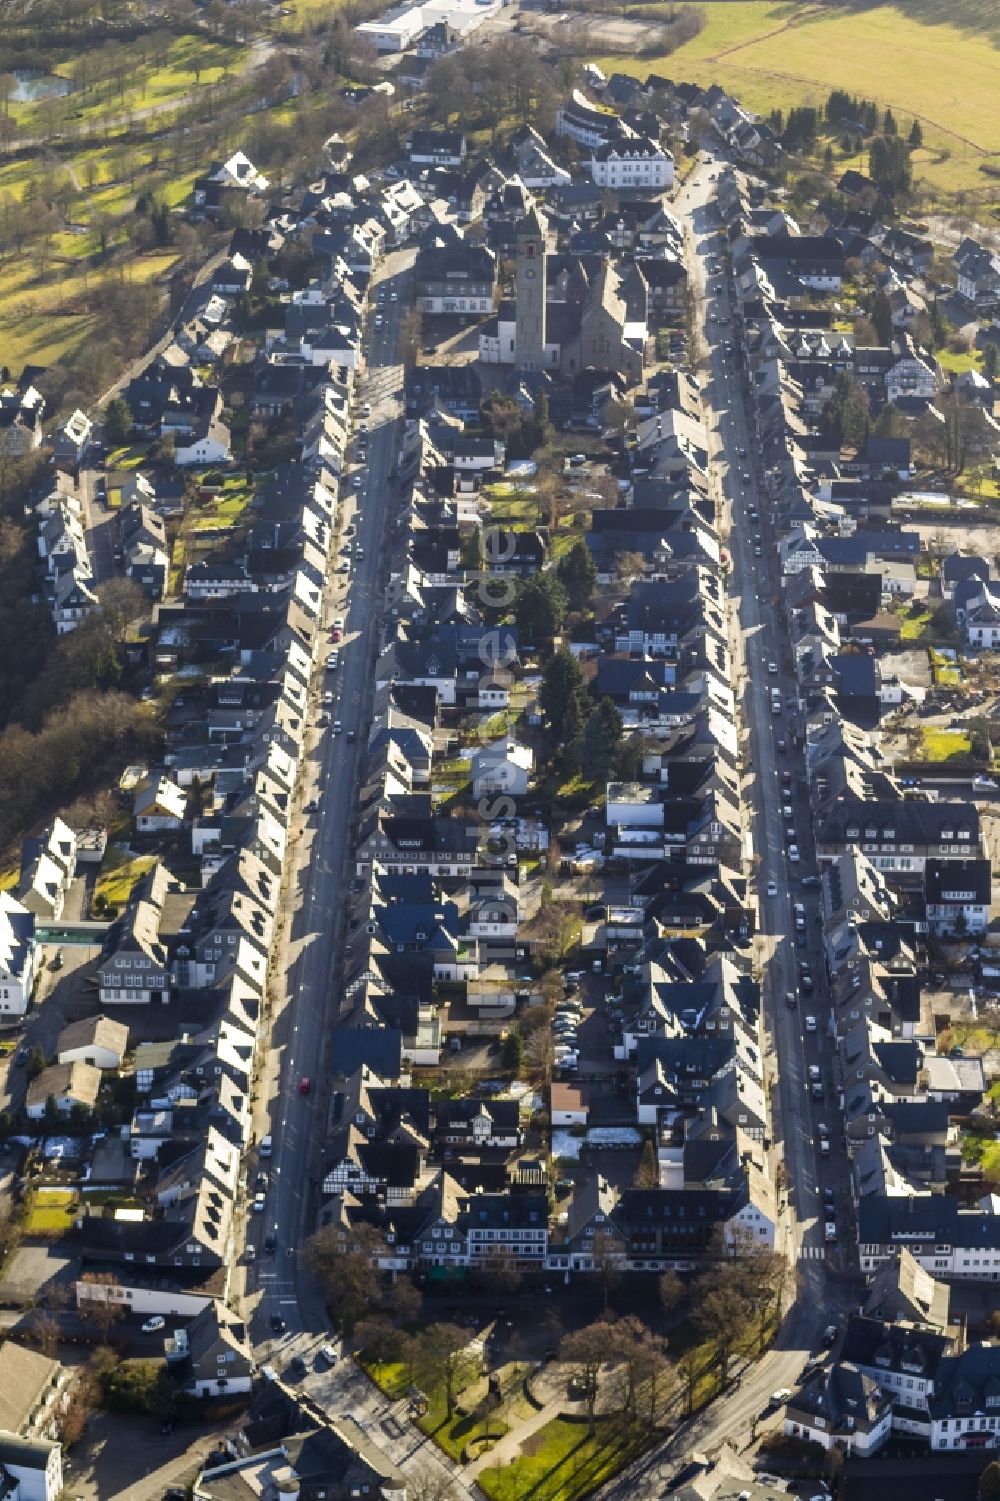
[69, 1085]
[17, 957]
[957, 896]
[134, 968]
[210, 1358]
[503, 766]
[97, 1040]
[21, 412]
[48, 866]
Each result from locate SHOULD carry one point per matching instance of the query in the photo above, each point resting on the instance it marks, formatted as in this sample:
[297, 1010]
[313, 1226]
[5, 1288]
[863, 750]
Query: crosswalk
[811, 1253]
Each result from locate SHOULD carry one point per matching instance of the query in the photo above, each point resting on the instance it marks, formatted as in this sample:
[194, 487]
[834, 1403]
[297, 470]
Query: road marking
[811, 1253]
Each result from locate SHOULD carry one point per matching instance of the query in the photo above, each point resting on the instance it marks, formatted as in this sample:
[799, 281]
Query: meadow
[937, 63]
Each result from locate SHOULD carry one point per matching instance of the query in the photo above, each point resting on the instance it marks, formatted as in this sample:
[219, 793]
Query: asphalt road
[825, 1286]
[320, 873]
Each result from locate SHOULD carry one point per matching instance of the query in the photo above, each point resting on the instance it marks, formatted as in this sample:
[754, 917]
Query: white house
[210, 445]
[30, 1468]
[958, 896]
[210, 1357]
[979, 615]
[568, 1105]
[159, 807]
[911, 375]
[503, 766]
[588, 124]
[17, 956]
[48, 866]
[640, 164]
[96, 1040]
[633, 805]
[68, 1084]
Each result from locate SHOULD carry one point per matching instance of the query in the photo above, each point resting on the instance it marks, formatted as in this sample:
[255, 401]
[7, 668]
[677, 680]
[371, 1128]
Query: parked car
[155, 1324]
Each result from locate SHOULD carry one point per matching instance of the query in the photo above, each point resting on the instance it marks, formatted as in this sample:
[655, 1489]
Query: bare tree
[103, 1307]
[445, 1356]
[586, 1350]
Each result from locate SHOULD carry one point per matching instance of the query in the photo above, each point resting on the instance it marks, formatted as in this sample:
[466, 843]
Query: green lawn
[922, 60]
[52, 1212]
[511, 505]
[942, 745]
[916, 624]
[226, 508]
[562, 1462]
[454, 1434]
[958, 364]
[970, 1038]
[118, 876]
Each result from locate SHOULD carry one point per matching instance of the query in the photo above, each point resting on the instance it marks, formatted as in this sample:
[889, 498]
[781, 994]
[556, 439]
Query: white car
[793, 854]
[337, 726]
[787, 811]
[814, 1072]
[810, 1024]
[772, 668]
[829, 1231]
[356, 482]
[772, 888]
[781, 1395]
[338, 623]
[155, 1324]
[333, 661]
[258, 1203]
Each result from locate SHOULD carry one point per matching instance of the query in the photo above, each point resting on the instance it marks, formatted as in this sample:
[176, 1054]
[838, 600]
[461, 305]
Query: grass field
[52, 1212]
[562, 1462]
[118, 876]
[942, 745]
[915, 625]
[922, 57]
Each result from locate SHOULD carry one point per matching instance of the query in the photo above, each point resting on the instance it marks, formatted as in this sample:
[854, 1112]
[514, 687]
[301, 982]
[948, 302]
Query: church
[569, 312]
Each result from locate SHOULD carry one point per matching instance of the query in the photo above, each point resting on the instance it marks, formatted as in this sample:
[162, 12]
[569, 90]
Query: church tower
[532, 236]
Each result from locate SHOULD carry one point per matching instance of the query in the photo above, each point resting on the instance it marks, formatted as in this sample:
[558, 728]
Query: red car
[304, 1086]
[336, 634]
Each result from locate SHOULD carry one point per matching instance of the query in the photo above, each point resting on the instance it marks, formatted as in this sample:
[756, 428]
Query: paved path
[510, 1447]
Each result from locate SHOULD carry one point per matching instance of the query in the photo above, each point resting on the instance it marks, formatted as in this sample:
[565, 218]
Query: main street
[825, 1289]
[308, 995]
